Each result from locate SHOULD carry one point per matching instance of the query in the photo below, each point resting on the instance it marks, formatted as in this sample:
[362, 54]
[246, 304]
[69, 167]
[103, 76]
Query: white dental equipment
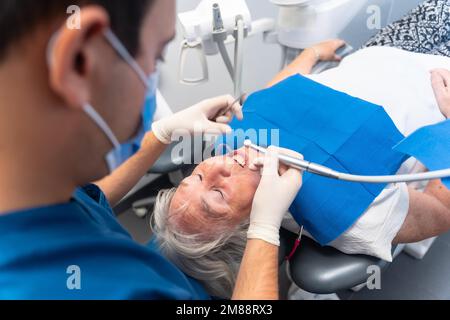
[301, 24]
[208, 29]
[304, 23]
[330, 173]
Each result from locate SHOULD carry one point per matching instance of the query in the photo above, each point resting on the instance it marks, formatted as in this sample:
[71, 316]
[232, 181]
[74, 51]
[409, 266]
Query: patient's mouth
[240, 157]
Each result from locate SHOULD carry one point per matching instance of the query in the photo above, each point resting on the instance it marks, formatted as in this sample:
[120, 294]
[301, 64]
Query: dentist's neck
[31, 175]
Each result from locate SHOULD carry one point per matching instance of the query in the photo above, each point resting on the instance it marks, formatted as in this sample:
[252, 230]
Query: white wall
[261, 60]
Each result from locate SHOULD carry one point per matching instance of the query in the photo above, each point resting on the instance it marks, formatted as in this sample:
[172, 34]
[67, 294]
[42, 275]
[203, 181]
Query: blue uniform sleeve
[96, 194]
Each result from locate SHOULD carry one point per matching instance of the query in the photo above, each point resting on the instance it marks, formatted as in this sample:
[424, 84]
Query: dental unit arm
[330, 173]
[212, 25]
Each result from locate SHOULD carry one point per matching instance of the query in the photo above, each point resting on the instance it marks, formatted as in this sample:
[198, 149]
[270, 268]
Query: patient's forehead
[185, 211]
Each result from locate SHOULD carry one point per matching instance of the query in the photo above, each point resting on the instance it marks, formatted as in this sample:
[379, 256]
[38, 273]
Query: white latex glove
[209, 116]
[276, 192]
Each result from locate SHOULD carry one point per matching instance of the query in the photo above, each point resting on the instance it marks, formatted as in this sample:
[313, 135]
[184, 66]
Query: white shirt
[400, 82]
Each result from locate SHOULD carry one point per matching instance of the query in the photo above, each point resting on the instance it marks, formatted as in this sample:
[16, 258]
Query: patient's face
[218, 194]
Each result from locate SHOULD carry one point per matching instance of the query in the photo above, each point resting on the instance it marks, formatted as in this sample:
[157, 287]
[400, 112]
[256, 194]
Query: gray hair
[215, 263]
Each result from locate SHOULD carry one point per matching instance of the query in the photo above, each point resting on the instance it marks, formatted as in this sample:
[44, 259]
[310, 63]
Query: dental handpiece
[298, 163]
[323, 171]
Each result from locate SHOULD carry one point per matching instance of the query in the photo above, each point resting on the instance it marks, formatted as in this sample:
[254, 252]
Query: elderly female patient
[201, 226]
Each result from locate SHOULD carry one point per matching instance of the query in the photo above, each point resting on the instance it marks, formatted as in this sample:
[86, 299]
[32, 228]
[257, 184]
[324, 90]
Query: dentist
[75, 107]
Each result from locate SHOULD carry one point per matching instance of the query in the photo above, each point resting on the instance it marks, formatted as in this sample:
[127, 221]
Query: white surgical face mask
[122, 152]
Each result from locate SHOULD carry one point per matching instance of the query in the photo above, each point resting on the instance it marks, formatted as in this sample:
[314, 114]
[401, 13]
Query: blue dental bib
[330, 128]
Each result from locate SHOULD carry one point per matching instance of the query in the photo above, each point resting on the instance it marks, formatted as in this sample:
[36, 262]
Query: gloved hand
[209, 116]
[276, 192]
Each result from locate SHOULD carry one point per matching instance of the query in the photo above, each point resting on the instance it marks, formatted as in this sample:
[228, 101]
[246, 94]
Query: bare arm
[440, 80]
[258, 275]
[305, 62]
[429, 212]
[440, 192]
[303, 65]
[428, 215]
[120, 182]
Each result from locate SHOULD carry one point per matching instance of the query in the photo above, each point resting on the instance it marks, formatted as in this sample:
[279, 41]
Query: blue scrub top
[38, 246]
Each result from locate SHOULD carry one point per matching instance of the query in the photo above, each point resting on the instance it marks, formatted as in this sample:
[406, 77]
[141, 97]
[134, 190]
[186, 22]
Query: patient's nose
[220, 170]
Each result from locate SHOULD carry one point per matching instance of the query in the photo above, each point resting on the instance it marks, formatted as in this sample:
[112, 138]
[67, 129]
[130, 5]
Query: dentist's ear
[70, 58]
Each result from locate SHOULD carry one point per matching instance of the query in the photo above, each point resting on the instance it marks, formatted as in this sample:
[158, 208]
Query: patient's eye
[200, 177]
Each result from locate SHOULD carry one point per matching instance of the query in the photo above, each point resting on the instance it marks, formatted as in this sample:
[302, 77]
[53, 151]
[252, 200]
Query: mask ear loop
[90, 111]
[153, 81]
[125, 55]
[50, 47]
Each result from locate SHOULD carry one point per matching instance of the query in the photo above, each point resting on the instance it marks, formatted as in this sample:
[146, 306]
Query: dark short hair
[18, 18]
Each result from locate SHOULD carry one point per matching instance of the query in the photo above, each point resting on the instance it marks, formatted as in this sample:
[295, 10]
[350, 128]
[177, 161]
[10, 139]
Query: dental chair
[325, 270]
